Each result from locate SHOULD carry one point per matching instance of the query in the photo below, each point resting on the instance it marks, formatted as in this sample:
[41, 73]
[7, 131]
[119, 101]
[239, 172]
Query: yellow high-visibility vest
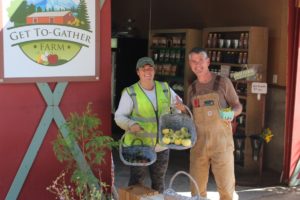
[145, 114]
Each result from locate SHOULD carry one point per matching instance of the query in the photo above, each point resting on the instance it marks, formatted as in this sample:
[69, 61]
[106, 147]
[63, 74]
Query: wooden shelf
[182, 40]
[257, 53]
[230, 64]
[227, 49]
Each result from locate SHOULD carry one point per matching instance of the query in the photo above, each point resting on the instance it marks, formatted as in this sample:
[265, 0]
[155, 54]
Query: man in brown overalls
[214, 146]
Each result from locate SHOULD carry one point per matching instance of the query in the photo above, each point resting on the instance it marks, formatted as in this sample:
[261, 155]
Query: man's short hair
[198, 50]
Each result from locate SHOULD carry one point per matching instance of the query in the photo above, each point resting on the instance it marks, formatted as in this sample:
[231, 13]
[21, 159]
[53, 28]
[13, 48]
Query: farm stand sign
[46, 40]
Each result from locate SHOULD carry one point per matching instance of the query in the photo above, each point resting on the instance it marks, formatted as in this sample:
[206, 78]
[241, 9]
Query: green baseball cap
[144, 61]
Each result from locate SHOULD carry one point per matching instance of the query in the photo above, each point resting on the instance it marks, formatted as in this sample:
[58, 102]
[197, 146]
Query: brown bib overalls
[214, 147]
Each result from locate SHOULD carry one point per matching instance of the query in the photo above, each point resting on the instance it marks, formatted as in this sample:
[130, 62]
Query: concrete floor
[268, 188]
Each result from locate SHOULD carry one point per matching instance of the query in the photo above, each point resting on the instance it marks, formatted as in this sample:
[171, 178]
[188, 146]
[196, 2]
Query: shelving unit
[240, 48]
[169, 49]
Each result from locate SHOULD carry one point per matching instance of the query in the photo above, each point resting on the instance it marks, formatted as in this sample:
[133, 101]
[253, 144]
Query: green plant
[84, 130]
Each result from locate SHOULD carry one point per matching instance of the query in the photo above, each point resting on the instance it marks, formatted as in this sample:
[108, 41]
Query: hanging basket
[171, 194]
[137, 154]
[176, 121]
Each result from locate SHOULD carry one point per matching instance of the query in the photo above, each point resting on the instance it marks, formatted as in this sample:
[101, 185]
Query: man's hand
[179, 105]
[229, 117]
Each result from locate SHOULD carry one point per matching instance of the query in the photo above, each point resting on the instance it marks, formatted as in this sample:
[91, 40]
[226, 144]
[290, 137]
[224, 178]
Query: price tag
[259, 88]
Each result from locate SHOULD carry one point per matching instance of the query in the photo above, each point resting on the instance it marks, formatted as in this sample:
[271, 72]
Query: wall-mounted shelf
[169, 49]
[239, 48]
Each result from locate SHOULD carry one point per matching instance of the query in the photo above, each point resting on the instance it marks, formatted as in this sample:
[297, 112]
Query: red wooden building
[62, 17]
[22, 107]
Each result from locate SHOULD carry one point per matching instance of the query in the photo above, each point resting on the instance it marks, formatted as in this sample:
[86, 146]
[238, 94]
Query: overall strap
[217, 83]
[216, 86]
[194, 88]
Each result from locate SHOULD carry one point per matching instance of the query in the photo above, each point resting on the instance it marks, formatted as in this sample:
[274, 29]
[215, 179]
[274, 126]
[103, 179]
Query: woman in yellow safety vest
[139, 109]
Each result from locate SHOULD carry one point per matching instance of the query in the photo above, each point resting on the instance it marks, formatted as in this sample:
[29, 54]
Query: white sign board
[49, 40]
[259, 88]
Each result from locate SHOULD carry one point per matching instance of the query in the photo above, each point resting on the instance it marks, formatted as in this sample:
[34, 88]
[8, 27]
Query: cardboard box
[135, 192]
